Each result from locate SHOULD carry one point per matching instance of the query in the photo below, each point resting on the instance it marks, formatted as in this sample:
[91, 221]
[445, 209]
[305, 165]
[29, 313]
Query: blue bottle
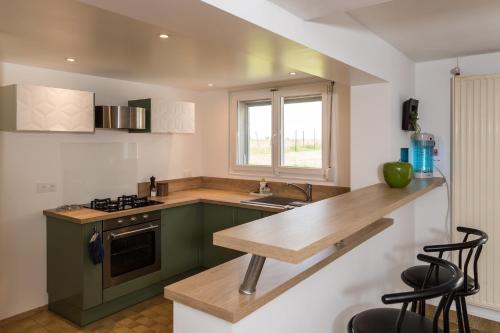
[422, 145]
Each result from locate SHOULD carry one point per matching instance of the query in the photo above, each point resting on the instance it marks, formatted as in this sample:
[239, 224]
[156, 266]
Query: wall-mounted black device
[410, 115]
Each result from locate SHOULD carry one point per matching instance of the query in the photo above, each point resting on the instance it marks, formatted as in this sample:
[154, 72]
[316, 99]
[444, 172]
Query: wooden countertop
[180, 198]
[215, 291]
[298, 234]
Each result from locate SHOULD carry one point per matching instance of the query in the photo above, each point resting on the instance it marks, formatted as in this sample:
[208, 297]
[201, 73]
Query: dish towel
[96, 250]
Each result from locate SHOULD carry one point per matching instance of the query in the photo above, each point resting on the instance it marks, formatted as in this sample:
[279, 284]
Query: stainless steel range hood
[120, 117]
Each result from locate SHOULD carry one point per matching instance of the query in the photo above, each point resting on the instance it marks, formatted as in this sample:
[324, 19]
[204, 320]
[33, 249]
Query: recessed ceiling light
[292, 73]
[70, 59]
[163, 36]
[210, 84]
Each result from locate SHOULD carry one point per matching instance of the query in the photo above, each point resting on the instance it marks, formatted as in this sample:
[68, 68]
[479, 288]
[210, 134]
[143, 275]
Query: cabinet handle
[113, 236]
[120, 221]
[133, 219]
[145, 216]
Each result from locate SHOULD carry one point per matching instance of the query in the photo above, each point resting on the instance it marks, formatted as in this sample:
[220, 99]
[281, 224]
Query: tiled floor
[154, 315]
[477, 325]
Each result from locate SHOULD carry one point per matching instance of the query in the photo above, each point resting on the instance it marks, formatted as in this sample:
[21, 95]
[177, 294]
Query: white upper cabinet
[37, 108]
[172, 117]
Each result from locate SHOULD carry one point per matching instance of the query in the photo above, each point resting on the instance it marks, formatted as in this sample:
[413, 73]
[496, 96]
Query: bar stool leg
[413, 307]
[460, 315]
[465, 315]
[414, 304]
[422, 308]
[446, 314]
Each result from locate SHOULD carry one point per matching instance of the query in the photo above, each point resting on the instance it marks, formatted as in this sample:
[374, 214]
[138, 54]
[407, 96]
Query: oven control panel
[129, 220]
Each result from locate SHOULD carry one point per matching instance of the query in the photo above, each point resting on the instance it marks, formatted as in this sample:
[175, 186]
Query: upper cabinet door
[37, 108]
[172, 117]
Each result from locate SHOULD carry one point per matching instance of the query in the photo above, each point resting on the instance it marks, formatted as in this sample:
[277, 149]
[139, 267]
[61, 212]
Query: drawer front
[129, 220]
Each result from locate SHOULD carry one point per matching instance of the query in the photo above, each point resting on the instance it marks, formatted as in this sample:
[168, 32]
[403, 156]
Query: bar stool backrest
[473, 250]
[445, 290]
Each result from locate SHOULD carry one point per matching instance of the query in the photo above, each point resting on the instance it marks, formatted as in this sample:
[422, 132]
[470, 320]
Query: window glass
[254, 133]
[302, 132]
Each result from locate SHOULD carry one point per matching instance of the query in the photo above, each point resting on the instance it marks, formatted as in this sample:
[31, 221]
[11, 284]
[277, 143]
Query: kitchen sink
[277, 202]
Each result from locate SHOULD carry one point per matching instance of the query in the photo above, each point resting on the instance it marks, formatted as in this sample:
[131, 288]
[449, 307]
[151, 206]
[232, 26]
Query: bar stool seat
[425, 276]
[390, 320]
[383, 321]
[415, 277]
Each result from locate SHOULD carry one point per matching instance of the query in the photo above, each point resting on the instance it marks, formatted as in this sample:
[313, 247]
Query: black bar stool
[416, 277]
[390, 320]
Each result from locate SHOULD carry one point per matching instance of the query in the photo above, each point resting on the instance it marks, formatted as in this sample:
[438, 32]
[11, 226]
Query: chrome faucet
[307, 191]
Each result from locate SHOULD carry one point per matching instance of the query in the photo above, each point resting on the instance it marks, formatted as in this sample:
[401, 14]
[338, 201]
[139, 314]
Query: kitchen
[50, 170]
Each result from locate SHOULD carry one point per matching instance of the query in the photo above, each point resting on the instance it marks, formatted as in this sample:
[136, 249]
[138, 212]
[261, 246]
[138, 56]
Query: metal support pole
[252, 275]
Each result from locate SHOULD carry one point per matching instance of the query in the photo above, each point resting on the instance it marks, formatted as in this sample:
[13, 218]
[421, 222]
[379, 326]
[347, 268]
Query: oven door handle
[114, 236]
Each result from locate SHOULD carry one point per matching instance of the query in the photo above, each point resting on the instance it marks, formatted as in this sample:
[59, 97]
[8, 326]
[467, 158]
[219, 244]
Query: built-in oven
[132, 247]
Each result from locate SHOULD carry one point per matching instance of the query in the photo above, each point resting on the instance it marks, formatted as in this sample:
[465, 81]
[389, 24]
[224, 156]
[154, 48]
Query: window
[284, 132]
[254, 133]
[301, 135]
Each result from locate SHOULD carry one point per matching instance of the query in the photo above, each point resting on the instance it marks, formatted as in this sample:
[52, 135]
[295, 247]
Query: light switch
[46, 187]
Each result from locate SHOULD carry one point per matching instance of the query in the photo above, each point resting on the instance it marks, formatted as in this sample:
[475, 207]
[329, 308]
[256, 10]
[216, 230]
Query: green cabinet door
[142, 103]
[216, 218]
[266, 214]
[244, 215]
[183, 234]
[74, 283]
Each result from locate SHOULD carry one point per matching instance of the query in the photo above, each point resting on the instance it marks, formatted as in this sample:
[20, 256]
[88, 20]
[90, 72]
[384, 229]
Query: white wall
[28, 158]
[370, 135]
[433, 90]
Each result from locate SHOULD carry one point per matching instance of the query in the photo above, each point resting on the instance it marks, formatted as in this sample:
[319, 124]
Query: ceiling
[314, 9]
[119, 39]
[422, 29]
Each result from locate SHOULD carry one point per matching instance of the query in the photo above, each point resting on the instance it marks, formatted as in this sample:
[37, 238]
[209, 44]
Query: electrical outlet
[46, 187]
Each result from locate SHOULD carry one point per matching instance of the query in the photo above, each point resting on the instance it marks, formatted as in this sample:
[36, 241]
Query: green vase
[398, 174]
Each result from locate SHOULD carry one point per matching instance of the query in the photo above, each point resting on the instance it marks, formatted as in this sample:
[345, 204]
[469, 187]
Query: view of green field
[302, 125]
[305, 154]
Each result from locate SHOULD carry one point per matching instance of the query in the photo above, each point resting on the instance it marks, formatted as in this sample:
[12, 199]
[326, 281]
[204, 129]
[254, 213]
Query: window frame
[277, 97]
[301, 92]
[236, 98]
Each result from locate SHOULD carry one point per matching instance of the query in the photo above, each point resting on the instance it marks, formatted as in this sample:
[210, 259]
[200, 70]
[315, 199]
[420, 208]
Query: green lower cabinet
[266, 214]
[216, 218]
[183, 234]
[74, 283]
[244, 215]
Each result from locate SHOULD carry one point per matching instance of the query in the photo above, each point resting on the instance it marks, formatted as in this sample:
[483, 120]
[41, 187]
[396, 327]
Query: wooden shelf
[298, 234]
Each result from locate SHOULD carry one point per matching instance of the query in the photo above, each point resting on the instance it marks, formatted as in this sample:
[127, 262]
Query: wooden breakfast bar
[285, 249]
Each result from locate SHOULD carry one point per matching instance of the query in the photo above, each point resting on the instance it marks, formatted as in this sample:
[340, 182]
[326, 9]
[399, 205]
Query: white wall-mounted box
[172, 117]
[46, 109]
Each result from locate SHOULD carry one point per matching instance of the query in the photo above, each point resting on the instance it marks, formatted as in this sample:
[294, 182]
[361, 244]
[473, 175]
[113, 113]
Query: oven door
[131, 252]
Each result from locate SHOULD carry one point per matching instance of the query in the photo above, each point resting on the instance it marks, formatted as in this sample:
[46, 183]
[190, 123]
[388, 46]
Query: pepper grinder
[152, 186]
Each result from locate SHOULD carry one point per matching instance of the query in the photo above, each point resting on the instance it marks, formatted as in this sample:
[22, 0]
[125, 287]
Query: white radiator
[476, 174]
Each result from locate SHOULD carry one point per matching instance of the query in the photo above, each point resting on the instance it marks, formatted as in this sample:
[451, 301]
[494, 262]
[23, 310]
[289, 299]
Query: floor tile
[151, 316]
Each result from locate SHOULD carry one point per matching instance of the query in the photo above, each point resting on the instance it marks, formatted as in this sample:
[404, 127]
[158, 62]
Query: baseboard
[476, 322]
[478, 311]
[490, 314]
[22, 315]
